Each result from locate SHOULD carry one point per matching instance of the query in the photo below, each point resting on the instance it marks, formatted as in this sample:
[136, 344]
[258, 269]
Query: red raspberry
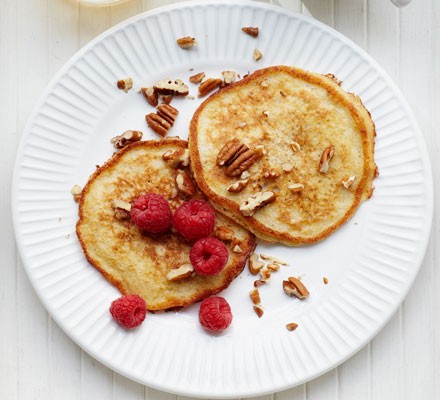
[194, 219]
[208, 256]
[129, 311]
[215, 314]
[151, 212]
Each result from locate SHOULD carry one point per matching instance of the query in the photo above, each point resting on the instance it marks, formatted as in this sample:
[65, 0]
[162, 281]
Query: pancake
[133, 261]
[286, 120]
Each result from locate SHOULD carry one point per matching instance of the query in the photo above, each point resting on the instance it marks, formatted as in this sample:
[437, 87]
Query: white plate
[370, 262]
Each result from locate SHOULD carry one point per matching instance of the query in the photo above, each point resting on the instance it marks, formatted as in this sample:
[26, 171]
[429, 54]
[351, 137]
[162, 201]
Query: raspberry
[194, 219]
[215, 314]
[208, 256]
[129, 311]
[151, 212]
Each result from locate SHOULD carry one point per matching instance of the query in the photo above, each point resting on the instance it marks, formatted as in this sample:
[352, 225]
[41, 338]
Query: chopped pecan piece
[294, 287]
[184, 271]
[254, 294]
[273, 259]
[287, 167]
[176, 157]
[151, 95]
[265, 274]
[259, 310]
[295, 146]
[251, 31]
[197, 78]
[291, 326]
[238, 186]
[273, 267]
[167, 112]
[209, 85]
[173, 87]
[167, 99]
[184, 183]
[122, 209]
[271, 174]
[224, 233]
[326, 156]
[296, 187]
[254, 264]
[229, 77]
[258, 283]
[125, 84]
[76, 192]
[237, 249]
[348, 182]
[257, 55]
[186, 42]
[126, 138]
[255, 202]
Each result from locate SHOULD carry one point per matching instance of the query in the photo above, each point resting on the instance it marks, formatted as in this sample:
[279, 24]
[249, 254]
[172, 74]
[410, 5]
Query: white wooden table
[38, 361]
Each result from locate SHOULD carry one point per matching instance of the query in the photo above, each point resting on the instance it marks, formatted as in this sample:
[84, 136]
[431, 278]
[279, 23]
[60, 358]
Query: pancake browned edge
[131, 260]
[272, 111]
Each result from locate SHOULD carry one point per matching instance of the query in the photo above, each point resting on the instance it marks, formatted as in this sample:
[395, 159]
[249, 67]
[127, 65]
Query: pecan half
[126, 138]
[294, 287]
[184, 183]
[150, 94]
[158, 124]
[209, 85]
[255, 202]
[125, 84]
[326, 156]
[173, 87]
[176, 157]
[184, 271]
[197, 78]
[167, 112]
[236, 156]
[251, 31]
[186, 42]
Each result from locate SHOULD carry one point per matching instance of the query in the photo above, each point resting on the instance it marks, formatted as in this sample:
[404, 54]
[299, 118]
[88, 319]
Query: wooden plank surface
[38, 361]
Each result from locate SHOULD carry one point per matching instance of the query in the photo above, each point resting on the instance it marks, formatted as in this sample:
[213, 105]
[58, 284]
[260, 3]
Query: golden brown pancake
[131, 260]
[287, 117]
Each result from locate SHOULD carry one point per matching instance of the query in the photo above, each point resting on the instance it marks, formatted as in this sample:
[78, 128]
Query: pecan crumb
[126, 138]
[326, 156]
[325, 280]
[257, 55]
[348, 182]
[197, 78]
[259, 310]
[291, 326]
[125, 84]
[251, 30]
[186, 42]
[76, 192]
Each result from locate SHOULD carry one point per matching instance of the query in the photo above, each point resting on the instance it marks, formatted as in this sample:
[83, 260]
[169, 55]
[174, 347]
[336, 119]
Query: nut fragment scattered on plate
[186, 42]
[294, 287]
[76, 192]
[150, 94]
[197, 78]
[251, 30]
[291, 326]
[125, 84]
[171, 87]
[162, 121]
[258, 55]
[126, 138]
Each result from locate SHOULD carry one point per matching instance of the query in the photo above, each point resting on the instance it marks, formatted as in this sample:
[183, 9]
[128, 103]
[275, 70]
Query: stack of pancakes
[288, 120]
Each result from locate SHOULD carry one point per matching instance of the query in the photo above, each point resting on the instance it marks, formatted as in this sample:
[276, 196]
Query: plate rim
[417, 134]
